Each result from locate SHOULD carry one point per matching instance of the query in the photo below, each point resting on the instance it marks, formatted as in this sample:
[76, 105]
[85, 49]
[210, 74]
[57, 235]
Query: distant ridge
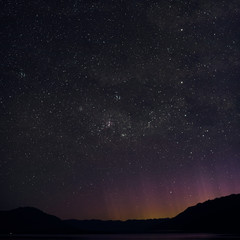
[221, 215]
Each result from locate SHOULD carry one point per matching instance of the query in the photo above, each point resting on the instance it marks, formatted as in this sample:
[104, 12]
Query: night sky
[118, 109]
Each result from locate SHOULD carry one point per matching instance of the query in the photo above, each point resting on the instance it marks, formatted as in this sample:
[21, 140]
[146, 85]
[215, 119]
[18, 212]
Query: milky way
[118, 109]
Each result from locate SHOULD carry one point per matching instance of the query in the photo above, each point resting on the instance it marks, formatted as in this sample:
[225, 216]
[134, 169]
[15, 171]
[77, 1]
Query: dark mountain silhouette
[218, 215]
[129, 226]
[221, 215]
[29, 220]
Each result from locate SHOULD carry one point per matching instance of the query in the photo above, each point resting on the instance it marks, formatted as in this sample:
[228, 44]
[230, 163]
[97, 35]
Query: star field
[118, 109]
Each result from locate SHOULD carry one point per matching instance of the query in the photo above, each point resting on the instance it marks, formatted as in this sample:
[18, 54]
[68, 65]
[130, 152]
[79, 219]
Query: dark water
[125, 237]
[157, 236]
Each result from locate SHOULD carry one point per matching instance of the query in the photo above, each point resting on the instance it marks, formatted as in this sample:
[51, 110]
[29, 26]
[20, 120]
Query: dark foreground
[122, 237]
[220, 215]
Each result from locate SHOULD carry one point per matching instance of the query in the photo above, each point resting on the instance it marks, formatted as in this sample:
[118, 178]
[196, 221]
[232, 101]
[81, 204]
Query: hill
[29, 220]
[220, 215]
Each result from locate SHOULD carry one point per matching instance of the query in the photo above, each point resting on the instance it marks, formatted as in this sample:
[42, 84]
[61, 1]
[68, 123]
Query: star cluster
[119, 109]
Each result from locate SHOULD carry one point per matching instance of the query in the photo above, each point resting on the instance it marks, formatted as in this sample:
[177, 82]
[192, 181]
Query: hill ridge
[215, 215]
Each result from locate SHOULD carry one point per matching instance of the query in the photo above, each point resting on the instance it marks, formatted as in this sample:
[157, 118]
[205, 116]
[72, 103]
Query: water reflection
[160, 237]
[124, 237]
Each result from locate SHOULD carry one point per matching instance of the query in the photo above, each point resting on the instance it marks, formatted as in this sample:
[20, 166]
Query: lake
[123, 237]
